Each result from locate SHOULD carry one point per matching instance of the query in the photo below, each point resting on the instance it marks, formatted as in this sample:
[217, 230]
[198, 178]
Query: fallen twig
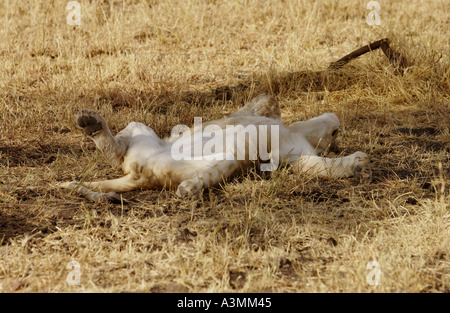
[398, 61]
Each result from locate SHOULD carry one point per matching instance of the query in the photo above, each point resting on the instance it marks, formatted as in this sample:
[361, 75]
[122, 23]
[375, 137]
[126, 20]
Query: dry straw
[163, 63]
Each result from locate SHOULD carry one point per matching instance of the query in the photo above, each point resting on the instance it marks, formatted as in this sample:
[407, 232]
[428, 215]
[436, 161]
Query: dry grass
[164, 62]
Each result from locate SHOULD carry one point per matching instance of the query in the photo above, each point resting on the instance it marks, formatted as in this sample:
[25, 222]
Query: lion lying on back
[207, 154]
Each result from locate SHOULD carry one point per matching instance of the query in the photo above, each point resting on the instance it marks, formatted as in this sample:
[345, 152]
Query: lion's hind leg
[105, 190]
[95, 126]
[89, 194]
[211, 175]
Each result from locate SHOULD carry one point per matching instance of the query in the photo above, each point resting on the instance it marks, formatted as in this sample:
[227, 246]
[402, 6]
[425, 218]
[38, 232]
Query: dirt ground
[165, 62]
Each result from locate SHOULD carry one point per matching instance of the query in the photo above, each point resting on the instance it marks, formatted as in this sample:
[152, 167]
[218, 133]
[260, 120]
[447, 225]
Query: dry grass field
[165, 62]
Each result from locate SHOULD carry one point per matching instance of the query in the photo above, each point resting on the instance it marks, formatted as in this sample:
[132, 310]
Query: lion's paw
[361, 167]
[188, 189]
[91, 122]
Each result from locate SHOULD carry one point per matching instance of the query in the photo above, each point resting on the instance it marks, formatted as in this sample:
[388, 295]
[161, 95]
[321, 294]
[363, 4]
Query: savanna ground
[165, 62]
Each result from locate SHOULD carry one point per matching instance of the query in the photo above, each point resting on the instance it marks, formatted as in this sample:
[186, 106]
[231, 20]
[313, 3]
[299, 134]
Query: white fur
[147, 162]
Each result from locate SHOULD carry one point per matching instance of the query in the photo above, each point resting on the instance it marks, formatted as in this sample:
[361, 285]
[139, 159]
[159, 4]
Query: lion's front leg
[355, 165]
[262, 105]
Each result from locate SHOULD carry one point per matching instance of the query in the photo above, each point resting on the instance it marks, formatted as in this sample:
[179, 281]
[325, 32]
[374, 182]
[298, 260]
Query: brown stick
[396, 59]
[353, 55]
